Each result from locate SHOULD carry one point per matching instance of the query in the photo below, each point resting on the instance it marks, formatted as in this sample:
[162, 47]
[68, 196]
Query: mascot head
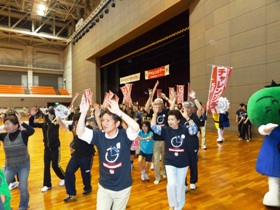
[264, 105]
[222, 105]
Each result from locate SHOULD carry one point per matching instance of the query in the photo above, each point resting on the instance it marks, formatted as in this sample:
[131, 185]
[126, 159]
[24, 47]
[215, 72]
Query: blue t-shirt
[176, 142]
[161, 120]
[146, 146]
[114, 160]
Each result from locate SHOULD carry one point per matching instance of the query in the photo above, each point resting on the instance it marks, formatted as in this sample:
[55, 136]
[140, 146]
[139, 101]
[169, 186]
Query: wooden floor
[227, 179]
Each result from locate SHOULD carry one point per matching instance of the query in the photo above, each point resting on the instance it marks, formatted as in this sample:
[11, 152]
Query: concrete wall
[243, 34]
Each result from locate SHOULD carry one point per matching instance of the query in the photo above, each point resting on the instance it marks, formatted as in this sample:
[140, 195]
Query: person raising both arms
[113, 145]
[51, 140]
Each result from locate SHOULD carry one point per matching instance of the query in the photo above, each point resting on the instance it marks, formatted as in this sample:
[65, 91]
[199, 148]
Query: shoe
[186, 188]
[156, 181]
[147, 178]
[220, 139]
[240, 139]
[87, 191]
[143, 175]
[62, 182]
[45, 189]
[13, 185]
[204, 147]
[68, 198]
[248, 140]
[152, 166]
[164, 176]
[192, 186]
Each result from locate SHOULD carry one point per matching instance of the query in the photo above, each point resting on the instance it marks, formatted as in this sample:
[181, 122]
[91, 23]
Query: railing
[13, 63]
[30, 65]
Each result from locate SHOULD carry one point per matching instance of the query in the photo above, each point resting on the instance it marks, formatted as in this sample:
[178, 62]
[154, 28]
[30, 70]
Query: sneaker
[204, 147]
[87, 191]
[186, 188]
[248, 140]
[45, 189]
[143, 175]
[68, 198]
[220, 139]
[152, 166]
[13, 185]
[164, 176]
[156, 181]
[147, 178]
[192, 186]
[62, 182]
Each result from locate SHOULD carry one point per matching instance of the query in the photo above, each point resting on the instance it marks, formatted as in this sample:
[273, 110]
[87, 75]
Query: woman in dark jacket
[52, 146]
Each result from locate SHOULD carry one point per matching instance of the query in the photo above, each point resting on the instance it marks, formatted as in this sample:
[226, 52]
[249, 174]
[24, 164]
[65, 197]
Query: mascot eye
[268, 109]
[274, 101]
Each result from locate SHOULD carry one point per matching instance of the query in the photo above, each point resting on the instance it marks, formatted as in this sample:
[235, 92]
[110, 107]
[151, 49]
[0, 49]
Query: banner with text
[219, 80]
[157, 72]
[130, 78]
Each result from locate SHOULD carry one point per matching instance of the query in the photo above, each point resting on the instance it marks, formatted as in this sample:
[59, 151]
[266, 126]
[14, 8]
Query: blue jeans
[23, 173]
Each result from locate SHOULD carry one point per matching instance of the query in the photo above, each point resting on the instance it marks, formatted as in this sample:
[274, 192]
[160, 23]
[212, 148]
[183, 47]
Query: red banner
[126, 91]
[218, 83]
[172, 93]
[180, 93]
[107, 96]
[157, 72]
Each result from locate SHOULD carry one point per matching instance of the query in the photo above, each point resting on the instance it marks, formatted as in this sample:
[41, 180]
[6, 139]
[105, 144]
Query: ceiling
[20, 24]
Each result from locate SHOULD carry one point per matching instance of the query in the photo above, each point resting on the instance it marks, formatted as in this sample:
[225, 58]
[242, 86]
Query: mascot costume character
[264, 111]
[221, 120]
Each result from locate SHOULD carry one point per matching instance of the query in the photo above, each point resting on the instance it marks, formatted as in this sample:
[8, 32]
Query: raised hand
[192, 94]
[84, 105]
[113, 107]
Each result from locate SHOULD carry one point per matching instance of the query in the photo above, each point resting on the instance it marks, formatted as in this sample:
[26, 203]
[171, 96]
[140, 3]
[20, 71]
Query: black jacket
[50, 131]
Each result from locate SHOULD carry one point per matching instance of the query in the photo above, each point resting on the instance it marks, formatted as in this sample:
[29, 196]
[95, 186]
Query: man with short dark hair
[238, 116]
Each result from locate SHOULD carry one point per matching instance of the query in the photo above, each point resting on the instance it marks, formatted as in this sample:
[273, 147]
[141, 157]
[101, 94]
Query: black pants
[246, 131]
[193, 147]
[73, 165]
[240, 128]
[193, 159]
[52, 155]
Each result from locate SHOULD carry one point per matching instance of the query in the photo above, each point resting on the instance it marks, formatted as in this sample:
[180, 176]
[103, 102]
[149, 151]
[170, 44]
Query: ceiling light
[42, 7]
[40, 13]
[41, 10]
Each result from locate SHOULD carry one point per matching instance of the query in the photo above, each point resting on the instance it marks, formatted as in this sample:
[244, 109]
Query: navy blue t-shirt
[176, 142]
[161, 120]
[114, 160]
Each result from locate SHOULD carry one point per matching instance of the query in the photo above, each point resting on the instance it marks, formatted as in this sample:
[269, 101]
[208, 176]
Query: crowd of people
[164, 136]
